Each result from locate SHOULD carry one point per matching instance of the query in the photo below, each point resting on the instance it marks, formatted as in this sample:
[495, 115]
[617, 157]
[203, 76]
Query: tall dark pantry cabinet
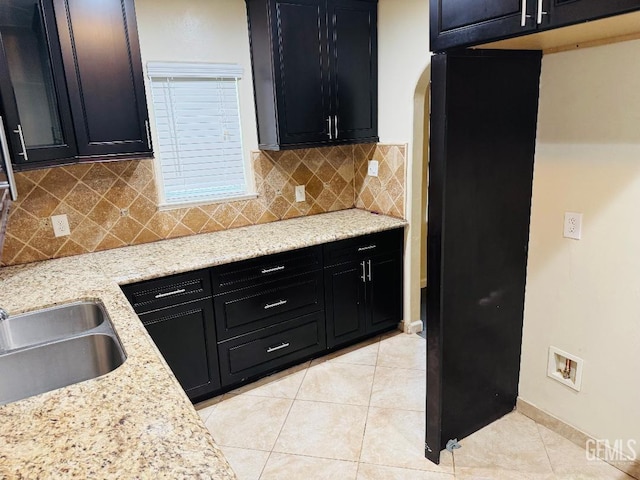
[482, 141]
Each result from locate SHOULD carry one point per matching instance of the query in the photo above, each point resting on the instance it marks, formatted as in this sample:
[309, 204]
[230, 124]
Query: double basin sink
[55, 347]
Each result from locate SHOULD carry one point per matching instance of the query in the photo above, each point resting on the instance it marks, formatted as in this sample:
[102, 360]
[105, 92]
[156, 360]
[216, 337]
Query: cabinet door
[101, 58]
[567, 12]
[480, 178]
[185, 335]
[301, 74]
[345, 302]
[384, 291]
[354, 68]
[456, 23]
[35, 106]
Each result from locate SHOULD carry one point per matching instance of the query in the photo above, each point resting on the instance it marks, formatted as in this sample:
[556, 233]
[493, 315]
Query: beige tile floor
[359, 414]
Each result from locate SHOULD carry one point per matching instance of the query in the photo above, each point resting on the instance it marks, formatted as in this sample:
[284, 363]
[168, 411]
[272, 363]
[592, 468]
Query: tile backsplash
[113, 204]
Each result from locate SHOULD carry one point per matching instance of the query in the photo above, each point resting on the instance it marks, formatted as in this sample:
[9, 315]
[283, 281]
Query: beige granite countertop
[135, 422]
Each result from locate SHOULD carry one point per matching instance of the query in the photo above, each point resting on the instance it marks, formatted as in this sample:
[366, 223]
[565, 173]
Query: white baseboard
[413, 327]
[574, 435]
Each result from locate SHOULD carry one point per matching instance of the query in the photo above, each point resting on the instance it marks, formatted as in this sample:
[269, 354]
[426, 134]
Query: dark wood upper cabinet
[314, 71]
[102, 63]
[456, 23]
[353, 53]
[35, 104]
[71, 82]
[462, 23]
[561, 13]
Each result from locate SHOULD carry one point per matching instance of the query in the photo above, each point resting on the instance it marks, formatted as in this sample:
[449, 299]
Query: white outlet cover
[60, 225]
[300, 193]
[573, 225]
[372, 171]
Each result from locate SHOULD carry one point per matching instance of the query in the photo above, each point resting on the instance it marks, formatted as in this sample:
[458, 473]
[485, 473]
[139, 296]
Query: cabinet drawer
[259, 352]
[243, 311]
[242, 274]
[167, 291]
[351, 249]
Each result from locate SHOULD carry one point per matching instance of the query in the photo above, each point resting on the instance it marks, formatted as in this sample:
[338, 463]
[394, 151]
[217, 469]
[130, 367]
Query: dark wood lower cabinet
[345, 303]
[185, 335]
[250, 309]
[268, 349]
[384, 291]
[220, 327]
[364, 289]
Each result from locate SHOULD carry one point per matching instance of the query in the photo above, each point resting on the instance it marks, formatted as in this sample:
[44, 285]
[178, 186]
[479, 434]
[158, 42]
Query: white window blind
[198, 127]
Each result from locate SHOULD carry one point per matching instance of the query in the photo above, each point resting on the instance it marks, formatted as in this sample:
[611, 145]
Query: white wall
[584, 296]
[201, 31]
[403, 57]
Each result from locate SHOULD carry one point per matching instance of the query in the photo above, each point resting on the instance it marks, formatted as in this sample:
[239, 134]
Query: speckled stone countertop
[135, 422]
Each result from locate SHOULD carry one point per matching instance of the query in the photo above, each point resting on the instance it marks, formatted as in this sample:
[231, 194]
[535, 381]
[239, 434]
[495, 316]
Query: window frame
[195, 70]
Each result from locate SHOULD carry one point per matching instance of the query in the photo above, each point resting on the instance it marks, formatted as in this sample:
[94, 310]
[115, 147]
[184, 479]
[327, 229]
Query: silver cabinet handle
[363, 277]
[330, 133]
[279, 347]
[335, 126]
[168, 294]
[148, 130]
[369, 274]
[541, 12]
[524, 16]
[11, 181]
[274, 269]
[22, 144]
[277, 304]
[364, 249]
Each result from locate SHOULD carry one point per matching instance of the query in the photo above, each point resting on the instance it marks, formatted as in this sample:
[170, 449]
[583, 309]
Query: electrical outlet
[573, 225]
[373, 168]
[300, 193]
[60, 225]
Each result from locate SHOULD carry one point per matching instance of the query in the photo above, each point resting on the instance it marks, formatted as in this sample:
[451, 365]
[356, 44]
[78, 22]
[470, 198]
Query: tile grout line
[366, 420]
[546, 450]
[285, 420]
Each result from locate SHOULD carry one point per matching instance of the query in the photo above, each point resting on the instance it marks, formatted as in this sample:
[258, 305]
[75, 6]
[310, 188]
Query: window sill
[197, 203]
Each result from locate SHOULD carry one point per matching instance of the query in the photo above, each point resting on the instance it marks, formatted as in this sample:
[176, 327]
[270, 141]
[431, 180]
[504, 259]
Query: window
[199, 150]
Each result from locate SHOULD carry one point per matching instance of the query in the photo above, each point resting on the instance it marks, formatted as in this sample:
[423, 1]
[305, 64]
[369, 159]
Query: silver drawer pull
[277, 304]
[279, 347]
[364, 249]
[274, 269]
[168, 294]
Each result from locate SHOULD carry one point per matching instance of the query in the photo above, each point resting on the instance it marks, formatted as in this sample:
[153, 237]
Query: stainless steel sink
[56, 347]
[49, 324]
